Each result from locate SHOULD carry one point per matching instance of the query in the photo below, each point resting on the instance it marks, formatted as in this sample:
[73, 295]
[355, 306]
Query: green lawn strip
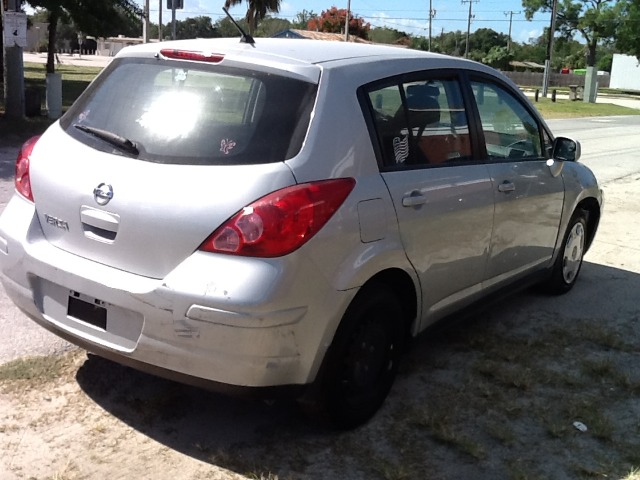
[563, 108]
[74, 80]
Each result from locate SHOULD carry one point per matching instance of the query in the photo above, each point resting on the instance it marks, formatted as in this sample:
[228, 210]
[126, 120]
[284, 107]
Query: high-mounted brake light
[280, 222]
[194, 56]
[23, 180]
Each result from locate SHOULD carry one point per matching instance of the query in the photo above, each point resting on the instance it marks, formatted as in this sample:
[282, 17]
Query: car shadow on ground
[491, 396]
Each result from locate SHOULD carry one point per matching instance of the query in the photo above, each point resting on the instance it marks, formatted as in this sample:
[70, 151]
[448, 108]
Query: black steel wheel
[363, 359]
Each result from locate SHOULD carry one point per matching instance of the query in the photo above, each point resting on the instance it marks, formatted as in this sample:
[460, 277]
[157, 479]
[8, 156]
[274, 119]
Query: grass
[74, 80]
[563, 108]
[33, 369]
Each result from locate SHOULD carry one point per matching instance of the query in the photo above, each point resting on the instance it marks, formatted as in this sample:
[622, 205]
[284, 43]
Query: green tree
[334, 20]
[387, 35]
[226, 28]
[498, 57]
[270, 26]
[484, 39]
[422, 43]
[195, 27]
[568, 52]
[302, 18]
[596, 20]
[534, 51]
[628, 34]
[256, 10]
[450, 43]
[101, 18]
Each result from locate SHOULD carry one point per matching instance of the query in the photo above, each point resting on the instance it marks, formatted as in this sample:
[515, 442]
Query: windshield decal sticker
[227, 145]
[401, 148]
[83, 116]
[180, 75]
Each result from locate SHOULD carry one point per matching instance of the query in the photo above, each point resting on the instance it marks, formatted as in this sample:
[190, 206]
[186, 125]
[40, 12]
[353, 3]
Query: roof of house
[531, 65]
[311, 35]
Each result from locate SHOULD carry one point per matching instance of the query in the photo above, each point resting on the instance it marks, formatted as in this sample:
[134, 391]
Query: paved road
[609, 145]
[68, 59]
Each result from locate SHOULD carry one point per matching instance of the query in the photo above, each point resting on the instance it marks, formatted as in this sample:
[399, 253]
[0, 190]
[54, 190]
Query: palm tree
[256, 10]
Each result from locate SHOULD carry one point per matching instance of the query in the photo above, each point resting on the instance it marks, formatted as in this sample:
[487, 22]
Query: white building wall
[625, 72]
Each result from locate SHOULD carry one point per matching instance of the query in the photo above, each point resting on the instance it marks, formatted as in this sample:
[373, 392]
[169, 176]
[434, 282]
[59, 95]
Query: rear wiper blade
[114, 139]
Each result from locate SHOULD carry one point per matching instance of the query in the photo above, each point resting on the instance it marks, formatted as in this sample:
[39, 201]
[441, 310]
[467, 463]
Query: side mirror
[566, 149]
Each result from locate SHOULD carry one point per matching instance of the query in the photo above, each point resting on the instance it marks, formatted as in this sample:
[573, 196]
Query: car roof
[304, 58]
[301, 51]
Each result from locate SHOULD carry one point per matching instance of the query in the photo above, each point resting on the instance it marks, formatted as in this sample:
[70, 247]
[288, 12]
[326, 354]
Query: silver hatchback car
[288, 213]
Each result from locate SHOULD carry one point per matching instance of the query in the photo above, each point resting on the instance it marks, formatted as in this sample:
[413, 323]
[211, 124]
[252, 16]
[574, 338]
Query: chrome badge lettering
[56, 222]
[103, 193]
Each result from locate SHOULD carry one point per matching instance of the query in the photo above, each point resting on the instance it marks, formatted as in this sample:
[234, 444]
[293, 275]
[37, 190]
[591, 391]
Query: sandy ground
[495, 396]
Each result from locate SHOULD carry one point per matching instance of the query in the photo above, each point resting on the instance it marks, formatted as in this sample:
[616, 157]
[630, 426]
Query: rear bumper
[215, 319]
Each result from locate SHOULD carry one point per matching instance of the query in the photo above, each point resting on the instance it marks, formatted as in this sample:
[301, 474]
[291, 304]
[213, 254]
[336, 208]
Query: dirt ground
[534, 387]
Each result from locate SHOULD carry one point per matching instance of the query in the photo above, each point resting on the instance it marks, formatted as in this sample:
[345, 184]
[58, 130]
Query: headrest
[423, 90]
[422, 97]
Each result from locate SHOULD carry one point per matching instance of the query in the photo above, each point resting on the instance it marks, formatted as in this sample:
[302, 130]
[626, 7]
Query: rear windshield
[185, 112]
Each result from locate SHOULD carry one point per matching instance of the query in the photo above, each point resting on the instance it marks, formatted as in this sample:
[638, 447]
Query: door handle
[506, 187]
[414, 199]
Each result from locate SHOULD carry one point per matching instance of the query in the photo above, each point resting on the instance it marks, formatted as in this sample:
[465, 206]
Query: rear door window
[421, 123]
[179, 112]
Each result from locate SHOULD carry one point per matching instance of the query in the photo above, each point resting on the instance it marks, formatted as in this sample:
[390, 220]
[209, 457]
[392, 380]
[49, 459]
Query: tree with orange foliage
[334, 19]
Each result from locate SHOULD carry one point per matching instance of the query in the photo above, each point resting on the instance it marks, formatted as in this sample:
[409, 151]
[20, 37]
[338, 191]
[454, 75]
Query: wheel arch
[591, 207]
[393, 281]
[403, 286]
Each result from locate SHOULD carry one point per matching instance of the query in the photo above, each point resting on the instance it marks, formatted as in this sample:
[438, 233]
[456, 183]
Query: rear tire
[363, 358]
[569, 262]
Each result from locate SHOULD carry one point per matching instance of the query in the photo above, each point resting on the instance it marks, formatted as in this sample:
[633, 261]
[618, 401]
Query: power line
[383, 18]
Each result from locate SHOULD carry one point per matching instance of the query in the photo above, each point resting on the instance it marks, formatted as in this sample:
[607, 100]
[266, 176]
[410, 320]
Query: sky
[411, 16]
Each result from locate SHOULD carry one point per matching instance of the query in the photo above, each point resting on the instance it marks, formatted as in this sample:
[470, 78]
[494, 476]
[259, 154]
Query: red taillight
[280, 222]
[23, 180]
[194, 56]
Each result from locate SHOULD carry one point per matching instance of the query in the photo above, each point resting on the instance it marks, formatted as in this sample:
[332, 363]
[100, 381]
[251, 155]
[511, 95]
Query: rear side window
[179, 112]
[421, 123]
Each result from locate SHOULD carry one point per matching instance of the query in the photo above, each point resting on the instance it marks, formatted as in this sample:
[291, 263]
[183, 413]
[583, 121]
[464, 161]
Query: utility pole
[547, 62]
[510, 13]
[346, 22]
[173, 19]
[470, 2]
[160, 21]
[15, 32]
[145, 22]
[432, 13]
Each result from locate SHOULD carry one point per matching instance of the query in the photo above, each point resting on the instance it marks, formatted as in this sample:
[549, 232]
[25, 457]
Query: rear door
[442, 195]
[528, 194]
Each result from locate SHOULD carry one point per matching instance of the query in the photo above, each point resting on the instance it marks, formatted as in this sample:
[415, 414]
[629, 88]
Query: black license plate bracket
[86, 311]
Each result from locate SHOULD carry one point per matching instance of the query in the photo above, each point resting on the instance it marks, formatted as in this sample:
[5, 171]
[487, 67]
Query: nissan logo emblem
[103, 193]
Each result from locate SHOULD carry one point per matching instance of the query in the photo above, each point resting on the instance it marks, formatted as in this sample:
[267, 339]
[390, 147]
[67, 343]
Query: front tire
[363, 358]
[569, 262]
